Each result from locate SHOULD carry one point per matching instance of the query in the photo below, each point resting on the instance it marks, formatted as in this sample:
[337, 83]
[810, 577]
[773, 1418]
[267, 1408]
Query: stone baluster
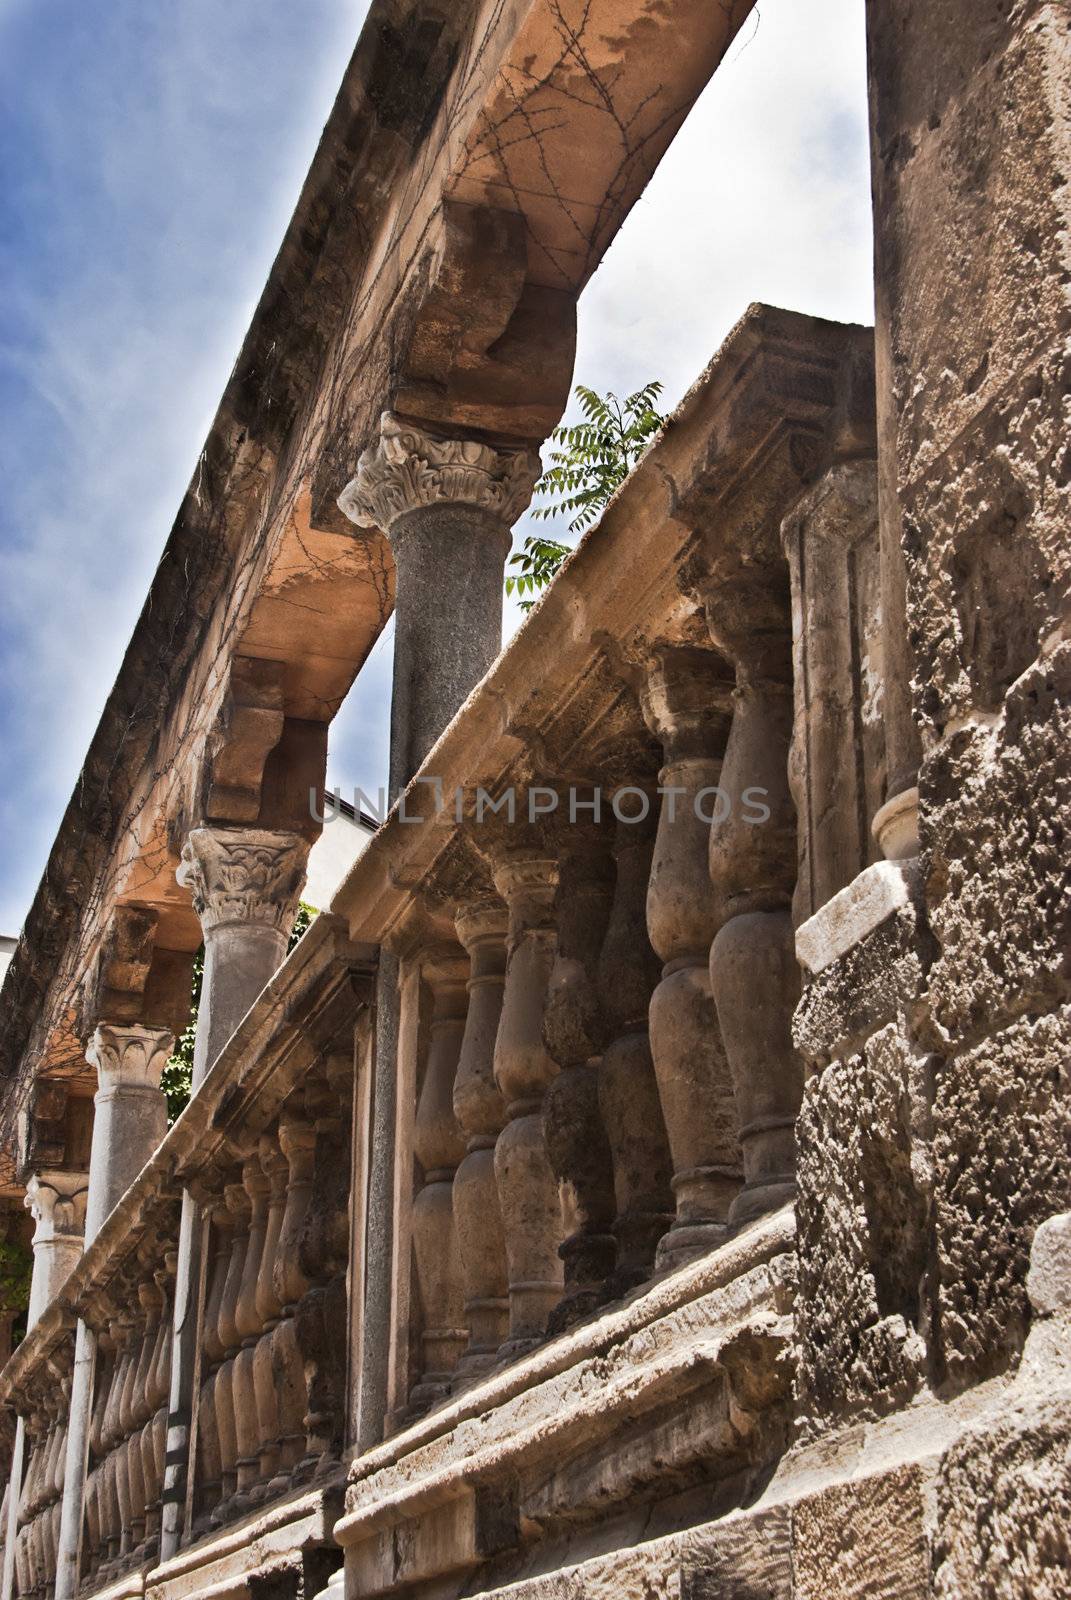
[152, 1302]
[438, 1147]
[249, 1327]
[156, 1428]
[116, 1425]
[269, 1310]
[574, 1032]
[297, 1140]
[527, 1190]
[209, 1458]
[753, 971]
[480, 1113]
[140, 1409]
[129, 1457]
[237, 1202]
[628, 1090]
[113, 1515]
[686, 704]
[324, 1254]
[96, 1508]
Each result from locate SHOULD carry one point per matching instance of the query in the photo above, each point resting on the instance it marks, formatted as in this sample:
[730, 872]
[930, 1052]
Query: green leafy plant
[16, 1270]
[176, 1079]
[590, 460]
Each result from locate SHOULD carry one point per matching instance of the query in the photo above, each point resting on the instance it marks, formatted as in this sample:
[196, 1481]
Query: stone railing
[594, 1082]
[264, 1146]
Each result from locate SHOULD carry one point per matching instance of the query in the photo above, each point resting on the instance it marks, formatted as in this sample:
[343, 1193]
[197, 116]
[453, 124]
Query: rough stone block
[1002, 1165]
[870, 985]
[995, 820]
[748, 1558]
[1048, 1282]
[1004, 1510]
[862, 1215]
[863, 1541]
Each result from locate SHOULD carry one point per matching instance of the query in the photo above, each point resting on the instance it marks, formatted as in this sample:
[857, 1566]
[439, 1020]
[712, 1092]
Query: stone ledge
[267, 1542]
[681, 1367]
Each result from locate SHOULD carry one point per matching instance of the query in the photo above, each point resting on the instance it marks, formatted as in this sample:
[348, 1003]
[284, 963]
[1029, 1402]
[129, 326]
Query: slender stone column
[246, 883]
[686, 705]
[527, 1190]
[574, 1032]
[628, 1089]
[438, 1146]
[753, 970]
[57, 1202]
[129, 1120]
[447, 507]
[480, 1112]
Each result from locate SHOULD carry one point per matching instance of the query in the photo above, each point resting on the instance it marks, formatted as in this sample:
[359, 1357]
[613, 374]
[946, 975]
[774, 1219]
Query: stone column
[686, 705]
[480, 1113]
[753, 971]
[527, 1190]
[574, 1032]
[246, 883]
[447, 506]
[129, 1120]
[438, 1146]
[57, 1202]
[628, 1089]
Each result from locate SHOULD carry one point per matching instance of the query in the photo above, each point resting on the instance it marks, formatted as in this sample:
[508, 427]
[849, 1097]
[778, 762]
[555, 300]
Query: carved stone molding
[129, 1057]
[409, 469]
[243, 875]
[57, 1203]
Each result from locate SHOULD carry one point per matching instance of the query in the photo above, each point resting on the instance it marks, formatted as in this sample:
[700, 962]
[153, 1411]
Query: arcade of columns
[652, 1169]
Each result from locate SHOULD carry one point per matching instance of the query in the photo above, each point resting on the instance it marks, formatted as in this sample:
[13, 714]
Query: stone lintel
[878, 892]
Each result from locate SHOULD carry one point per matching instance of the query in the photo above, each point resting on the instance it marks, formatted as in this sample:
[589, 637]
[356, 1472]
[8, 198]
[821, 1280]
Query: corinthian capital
[130, 1056]
[244, 875]
[57, 1203]
[408, 469]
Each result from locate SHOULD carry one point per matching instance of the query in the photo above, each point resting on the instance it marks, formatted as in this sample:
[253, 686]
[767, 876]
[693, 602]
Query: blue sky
[150, 156]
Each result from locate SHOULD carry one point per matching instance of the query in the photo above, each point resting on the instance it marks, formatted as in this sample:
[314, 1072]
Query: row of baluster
[610, 1084]
[39, 1503]
[273, 1338]
[128, 1429]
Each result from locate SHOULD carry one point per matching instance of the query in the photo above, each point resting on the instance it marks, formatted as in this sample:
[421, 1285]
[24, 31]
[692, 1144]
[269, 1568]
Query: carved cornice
[57, 1203]
[244, 875]
[409, 469]
[129, 1057]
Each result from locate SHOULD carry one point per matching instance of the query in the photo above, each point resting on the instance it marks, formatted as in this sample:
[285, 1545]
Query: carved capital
[244, 875]
[408, 469]
[130, 1057]
[57, 1203]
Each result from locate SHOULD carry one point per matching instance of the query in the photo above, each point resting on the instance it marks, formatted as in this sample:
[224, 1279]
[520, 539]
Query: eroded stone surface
[1002, 1164]
[862, 1213]
[863, 1541]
